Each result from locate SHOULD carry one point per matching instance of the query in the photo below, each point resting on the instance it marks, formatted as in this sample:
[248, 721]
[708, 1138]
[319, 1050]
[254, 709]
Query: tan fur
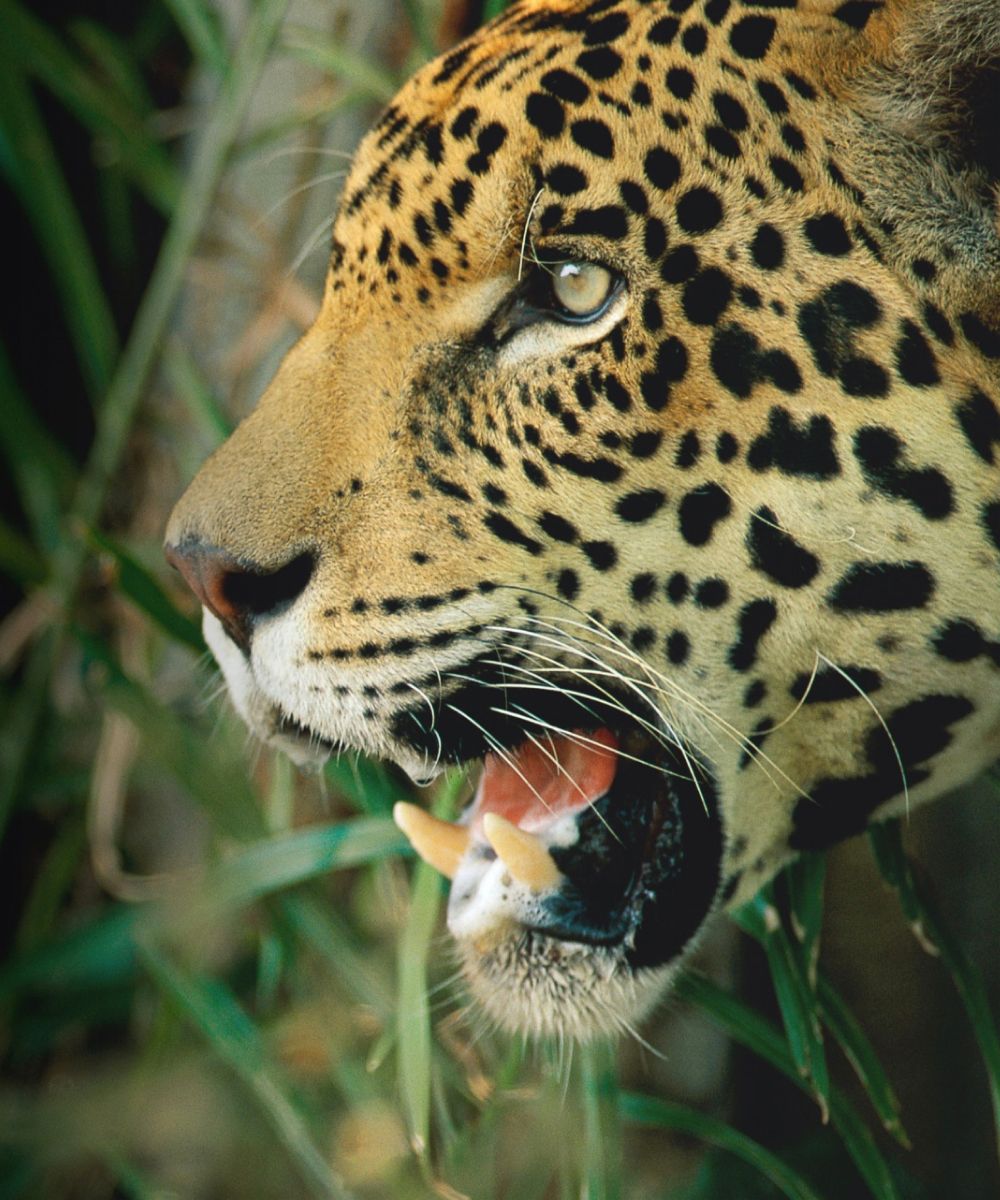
[392, 389]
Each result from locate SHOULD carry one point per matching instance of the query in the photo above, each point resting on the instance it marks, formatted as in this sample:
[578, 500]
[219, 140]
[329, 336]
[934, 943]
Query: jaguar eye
[582, 289]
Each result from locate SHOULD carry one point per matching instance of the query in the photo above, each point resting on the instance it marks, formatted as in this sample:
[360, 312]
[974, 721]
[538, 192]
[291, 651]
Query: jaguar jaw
[582, 870]
[577, 887]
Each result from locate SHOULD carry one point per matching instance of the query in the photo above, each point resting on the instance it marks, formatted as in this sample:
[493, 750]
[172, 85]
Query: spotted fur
[762, 490]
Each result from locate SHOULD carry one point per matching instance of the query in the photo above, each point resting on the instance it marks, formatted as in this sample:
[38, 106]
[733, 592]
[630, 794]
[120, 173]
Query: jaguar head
[626, 457]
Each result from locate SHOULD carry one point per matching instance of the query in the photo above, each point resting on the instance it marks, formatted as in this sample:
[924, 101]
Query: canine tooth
[524, 854]
[437, 842]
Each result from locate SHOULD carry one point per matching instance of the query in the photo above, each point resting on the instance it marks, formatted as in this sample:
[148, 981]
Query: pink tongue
[561, 774]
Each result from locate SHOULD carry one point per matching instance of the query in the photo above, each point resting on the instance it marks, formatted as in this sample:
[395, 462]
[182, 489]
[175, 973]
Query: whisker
[524, 235]
[622, 651]
[501, 753]
[433, 712]
[607, 698]
[888, 733]
[572, 735]
[319, 151]
[579, 738]
[312, 242]
[673, 689]
[554, 758]
[326, 177]
[629, 683]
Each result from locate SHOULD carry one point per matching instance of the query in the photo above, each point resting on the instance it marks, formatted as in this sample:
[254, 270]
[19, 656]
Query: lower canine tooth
[437, 842]
[524, 854]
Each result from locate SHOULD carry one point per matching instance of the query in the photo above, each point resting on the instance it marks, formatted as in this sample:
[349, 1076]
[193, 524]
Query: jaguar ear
[921, 86]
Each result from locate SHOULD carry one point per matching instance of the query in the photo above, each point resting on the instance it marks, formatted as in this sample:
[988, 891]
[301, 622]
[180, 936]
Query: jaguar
[644, 450]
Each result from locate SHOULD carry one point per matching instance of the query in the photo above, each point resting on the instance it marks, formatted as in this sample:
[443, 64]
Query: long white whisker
[554, 759]
[501, 753]
[764, 761]
[672, 690]
[888, 733]
[309, 245]
[688, 762]
[574, 735]
[581, 739]
[524, 235]
[430, 707]
[326, 177]
[606, 699]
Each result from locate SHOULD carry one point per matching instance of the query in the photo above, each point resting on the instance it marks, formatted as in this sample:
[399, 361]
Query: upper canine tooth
[524, 854]
[437, 842]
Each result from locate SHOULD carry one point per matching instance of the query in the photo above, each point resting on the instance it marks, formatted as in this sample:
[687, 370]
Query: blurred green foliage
[274, 1014]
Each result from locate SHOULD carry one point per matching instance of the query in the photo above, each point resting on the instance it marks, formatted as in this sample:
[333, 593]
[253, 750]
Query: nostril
[259, 592]
[236, 591]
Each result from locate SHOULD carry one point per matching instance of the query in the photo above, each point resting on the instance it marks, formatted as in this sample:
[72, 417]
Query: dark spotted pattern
[761, 476]
[831, 324]
[913, 734]
[776, 554]
[881, 455]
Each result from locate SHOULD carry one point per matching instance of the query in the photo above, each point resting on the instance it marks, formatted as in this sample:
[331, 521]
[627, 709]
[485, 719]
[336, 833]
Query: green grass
[291, 970]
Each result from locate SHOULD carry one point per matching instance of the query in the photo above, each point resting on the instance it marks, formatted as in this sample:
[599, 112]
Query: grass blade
[93, 955]
[133, 1184]
[760, 918]
[493, 8]
[292, 858]
[35, 175]
[416, 15]
[201, 31]
[860, 1053]
[106, 115]
[602, 1113]
[653, 1113]
[216, 779]
[18, 558]
[365, 784]
[326, 934]
[413, 1018]
[144, 590]
[413, 1010]
[110, 62]
[805, 879]
[42, 472]
[213, 1010]
[158, 302]
[115, 418]
[750, 1029]
[354, 69]
[922, 913]
[187, 381]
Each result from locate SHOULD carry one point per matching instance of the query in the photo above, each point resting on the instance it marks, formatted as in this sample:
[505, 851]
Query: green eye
[582, 289]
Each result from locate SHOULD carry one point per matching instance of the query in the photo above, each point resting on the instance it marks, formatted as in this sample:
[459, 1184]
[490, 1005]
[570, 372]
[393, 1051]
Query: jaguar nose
[238, 592]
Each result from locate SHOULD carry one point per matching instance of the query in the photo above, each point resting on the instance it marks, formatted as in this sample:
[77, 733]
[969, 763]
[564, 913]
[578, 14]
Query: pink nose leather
[206, 572]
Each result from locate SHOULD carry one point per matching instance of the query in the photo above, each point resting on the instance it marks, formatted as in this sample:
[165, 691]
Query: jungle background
[223, 979]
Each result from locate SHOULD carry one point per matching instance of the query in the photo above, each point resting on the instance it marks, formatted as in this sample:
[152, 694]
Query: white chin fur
[571, 990]
[256, 710]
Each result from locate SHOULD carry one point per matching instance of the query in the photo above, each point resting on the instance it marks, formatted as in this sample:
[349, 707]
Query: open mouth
[589, 857]
[599, 844]
[585, 864]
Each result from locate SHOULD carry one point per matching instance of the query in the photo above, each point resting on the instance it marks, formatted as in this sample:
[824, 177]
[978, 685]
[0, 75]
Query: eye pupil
[581, 289]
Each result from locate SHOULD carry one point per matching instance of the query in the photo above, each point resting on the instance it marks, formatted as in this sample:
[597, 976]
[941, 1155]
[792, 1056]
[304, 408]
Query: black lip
[644, 872]
[495, 705]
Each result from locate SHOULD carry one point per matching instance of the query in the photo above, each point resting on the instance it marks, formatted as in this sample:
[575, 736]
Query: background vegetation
[221, 979]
